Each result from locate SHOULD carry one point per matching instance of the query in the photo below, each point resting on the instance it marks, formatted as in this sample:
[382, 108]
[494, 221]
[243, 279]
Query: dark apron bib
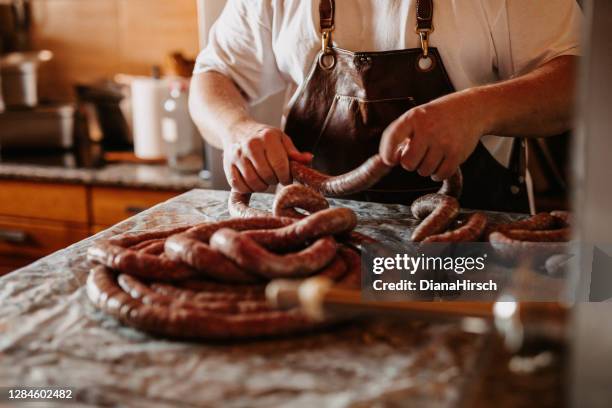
[349, 98]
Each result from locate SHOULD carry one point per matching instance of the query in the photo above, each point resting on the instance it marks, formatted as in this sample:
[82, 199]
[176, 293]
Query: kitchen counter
[149, 176]
[53, 336]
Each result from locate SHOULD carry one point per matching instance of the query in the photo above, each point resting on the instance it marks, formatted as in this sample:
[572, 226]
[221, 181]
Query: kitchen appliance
[108, 123]
[43, 127]
[15, 22]
[148, 96]
[183, 142]
[19, 72]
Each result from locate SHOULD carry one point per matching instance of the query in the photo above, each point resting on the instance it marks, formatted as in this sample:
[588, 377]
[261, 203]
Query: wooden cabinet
[38, 218]
[110, 205]
[26, 238]
[50, 201]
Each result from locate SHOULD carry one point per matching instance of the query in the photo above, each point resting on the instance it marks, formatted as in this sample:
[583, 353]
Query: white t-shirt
[266, 46]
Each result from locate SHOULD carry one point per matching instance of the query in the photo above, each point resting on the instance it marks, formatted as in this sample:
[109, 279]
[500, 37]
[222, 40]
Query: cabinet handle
[13, 236]
[133, 209]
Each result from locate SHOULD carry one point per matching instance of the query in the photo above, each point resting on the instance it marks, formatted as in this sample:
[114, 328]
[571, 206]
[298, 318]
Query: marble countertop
[51, 335]
[149, 176]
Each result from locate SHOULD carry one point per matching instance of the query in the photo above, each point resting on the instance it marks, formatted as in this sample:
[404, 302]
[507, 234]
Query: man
[424, 83]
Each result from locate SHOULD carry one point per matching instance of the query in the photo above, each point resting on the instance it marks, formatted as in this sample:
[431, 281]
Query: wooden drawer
[50, 201]
[11, 263]
[34, 238]
[111, 205]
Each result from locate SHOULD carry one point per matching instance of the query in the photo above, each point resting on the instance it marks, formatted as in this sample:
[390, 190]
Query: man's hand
[434, 138]
[258, 157]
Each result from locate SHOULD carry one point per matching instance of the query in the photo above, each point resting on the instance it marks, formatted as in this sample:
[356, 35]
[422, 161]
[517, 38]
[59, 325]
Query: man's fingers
[277, 157]
[250, 176]
[392, 142]
[413, 153]
[237, 182]
[431, 162]
[256, 152]
[446, 169]
[294, 153]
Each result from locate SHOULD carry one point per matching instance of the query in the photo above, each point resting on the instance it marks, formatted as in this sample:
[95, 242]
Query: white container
[148, 96]
[184, 145]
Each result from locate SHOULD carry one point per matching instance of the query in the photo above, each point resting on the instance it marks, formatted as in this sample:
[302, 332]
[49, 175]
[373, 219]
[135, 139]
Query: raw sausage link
[238, 206]
[359, 179]
[352, 278]
[297, 196]
[563, 218]
[255, 258]
[139, 290]
[540, 221]
[336, 269]
[191, 247]
[180, 322]
[558, 235]
[210, 262]
[471, 231]
[116, 253]
[185, 293]
[437, 211]
[332, 221]
[453, 186]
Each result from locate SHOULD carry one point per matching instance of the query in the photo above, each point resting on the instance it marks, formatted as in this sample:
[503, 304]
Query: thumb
[294, 153]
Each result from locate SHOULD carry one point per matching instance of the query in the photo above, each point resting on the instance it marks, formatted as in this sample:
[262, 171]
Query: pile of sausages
[207, 281]
[440, 212]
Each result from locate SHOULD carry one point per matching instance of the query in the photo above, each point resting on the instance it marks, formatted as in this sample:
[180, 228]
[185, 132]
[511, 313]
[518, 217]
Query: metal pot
[44, 127]
[19, 72]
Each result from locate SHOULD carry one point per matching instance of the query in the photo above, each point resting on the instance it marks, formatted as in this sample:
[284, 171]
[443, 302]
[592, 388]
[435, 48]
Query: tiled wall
[93, 39]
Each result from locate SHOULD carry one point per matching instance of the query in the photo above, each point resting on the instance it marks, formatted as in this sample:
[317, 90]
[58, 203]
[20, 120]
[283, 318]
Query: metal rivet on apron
[515, 189]
[425, 63]
[327, 61]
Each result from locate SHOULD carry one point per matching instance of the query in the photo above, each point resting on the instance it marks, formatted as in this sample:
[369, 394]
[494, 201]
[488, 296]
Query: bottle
[183, 141]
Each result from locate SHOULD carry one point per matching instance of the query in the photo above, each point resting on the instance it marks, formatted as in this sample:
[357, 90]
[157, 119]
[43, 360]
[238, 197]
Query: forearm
[537, 104]
[217, 108]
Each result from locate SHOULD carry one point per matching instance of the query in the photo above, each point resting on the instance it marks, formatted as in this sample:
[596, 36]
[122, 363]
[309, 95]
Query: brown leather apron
[349, 98]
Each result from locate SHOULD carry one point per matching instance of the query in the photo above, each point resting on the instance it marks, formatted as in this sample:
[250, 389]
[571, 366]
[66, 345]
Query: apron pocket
[352, 130]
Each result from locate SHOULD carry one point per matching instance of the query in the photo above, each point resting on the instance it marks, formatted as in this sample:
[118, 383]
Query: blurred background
[94, 101]
[96, 39]
[94, 128]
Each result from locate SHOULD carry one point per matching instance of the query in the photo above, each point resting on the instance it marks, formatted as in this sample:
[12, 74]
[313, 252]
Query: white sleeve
[240, 47]
[529, 33]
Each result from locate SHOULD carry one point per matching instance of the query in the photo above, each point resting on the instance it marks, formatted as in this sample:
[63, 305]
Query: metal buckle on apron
[425, 61]
[327, 59]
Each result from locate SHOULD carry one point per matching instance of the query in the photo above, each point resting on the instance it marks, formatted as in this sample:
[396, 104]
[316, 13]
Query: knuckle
[268, 135]
[408, 163]
[425, 169]
[252, 144]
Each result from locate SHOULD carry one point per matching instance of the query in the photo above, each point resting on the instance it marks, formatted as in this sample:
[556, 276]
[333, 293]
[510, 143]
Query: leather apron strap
[424, 23]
